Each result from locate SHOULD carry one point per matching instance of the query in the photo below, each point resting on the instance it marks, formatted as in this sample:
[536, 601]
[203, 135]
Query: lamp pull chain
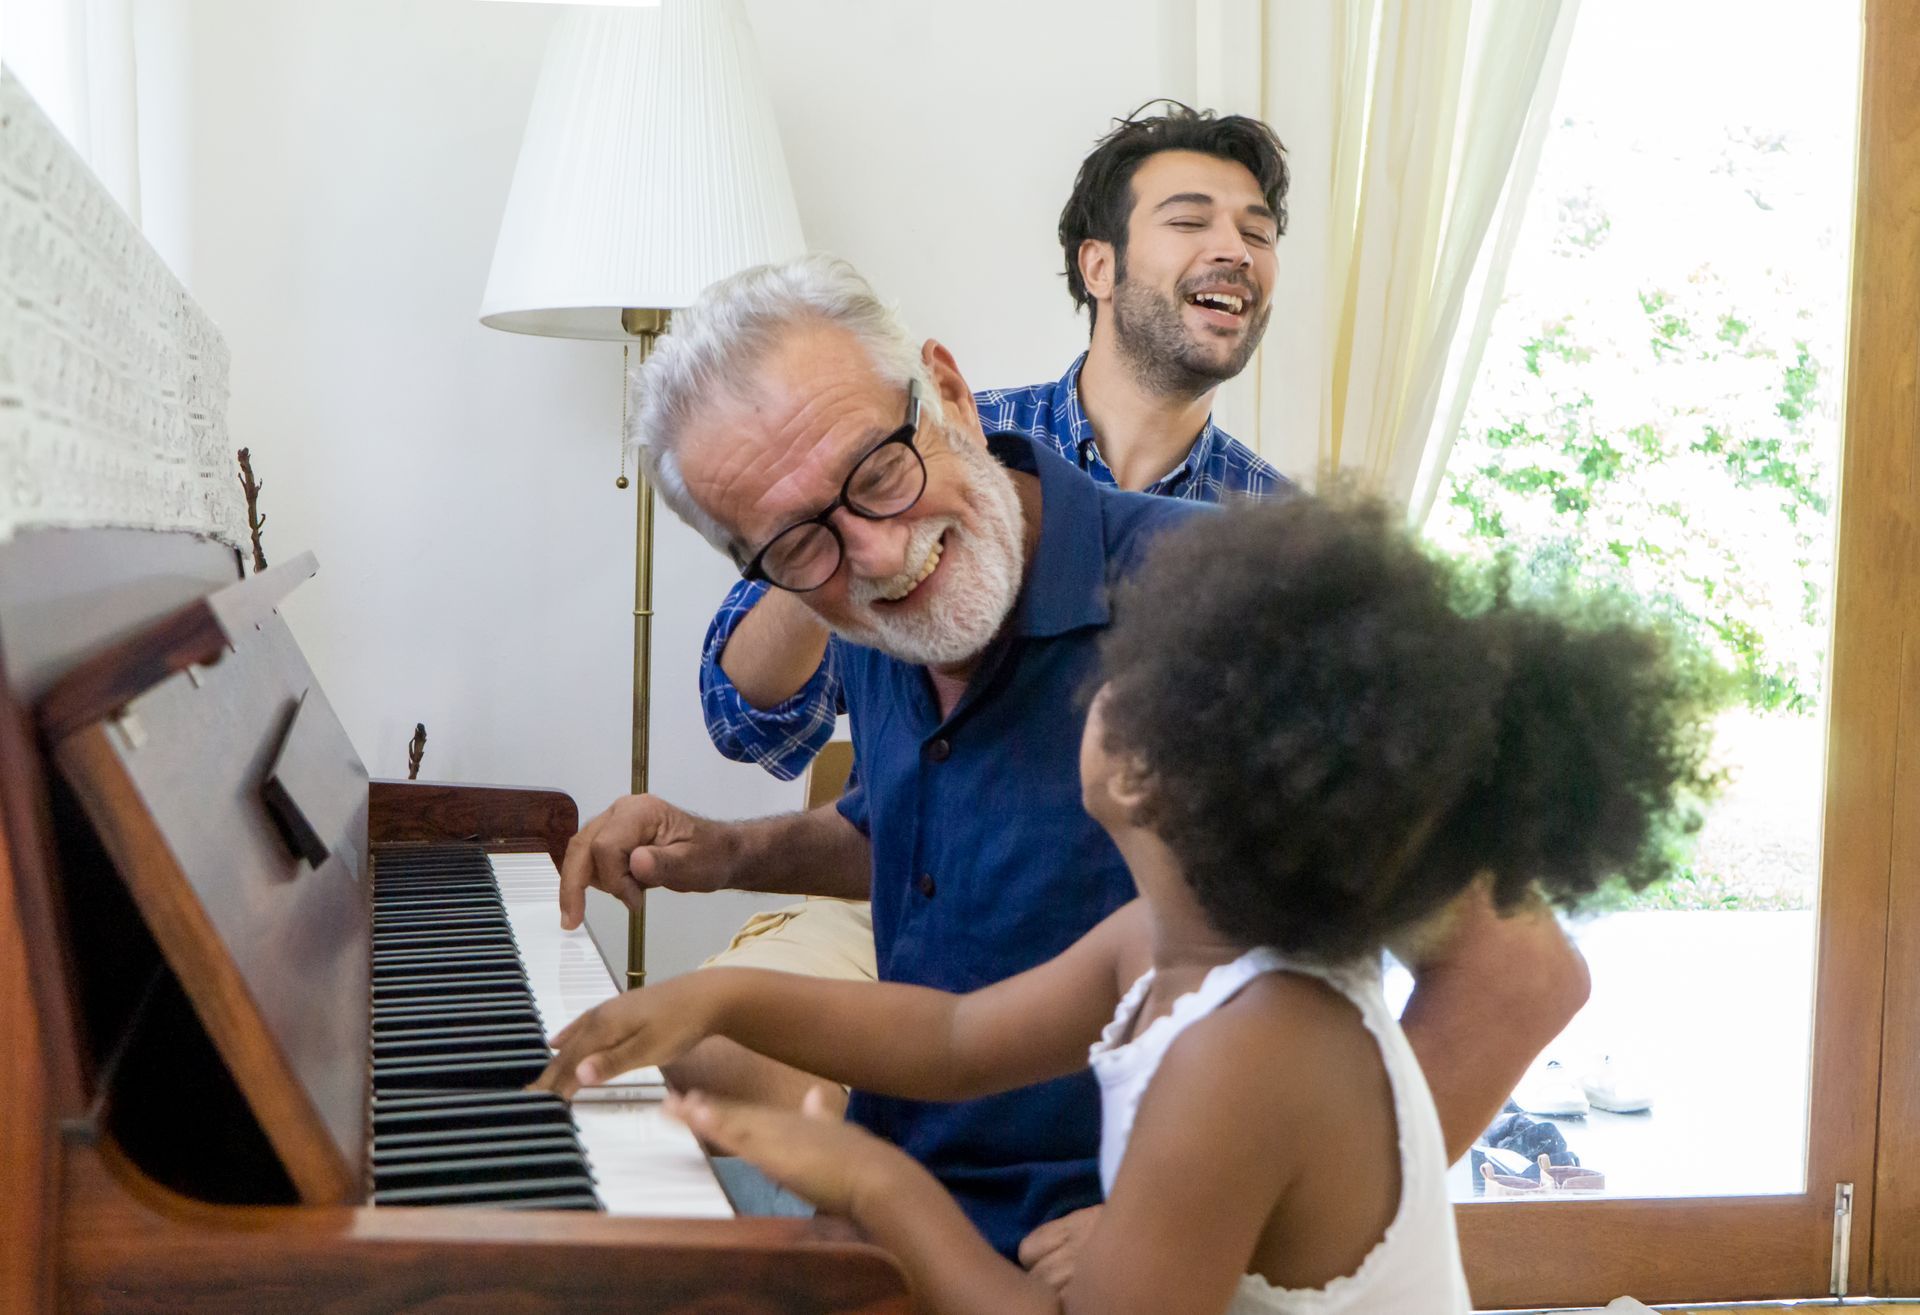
[626, 367]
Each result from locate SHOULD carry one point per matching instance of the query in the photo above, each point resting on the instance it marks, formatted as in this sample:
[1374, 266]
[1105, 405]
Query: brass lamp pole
[645, 328]
[651, 166]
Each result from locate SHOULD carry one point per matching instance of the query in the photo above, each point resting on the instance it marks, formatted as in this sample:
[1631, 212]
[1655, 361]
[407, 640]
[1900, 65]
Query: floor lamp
[651, 167]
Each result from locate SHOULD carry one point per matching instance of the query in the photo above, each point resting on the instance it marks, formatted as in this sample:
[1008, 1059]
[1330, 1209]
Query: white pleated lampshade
[651, 167]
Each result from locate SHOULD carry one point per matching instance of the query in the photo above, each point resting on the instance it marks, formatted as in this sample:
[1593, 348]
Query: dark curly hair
[1335, 742]
[1103, 199]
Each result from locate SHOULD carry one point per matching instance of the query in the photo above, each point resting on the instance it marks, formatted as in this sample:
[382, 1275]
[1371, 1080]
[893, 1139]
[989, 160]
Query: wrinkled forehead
[777, 448]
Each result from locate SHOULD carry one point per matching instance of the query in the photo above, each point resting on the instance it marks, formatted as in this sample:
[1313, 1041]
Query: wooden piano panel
[148, 1251]
[64, 594]
[273, 953]
[29, 1203]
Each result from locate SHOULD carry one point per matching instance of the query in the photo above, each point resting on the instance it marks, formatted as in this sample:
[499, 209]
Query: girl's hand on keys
[813, 1153]
[653, 1025]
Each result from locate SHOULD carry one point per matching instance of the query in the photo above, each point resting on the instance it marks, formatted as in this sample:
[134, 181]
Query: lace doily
[113, 383]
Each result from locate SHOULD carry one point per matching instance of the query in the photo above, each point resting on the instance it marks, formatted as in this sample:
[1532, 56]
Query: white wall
[349, 165]
[163, 59]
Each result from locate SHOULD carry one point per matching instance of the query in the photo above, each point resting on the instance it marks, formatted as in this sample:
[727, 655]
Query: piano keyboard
[471, 974]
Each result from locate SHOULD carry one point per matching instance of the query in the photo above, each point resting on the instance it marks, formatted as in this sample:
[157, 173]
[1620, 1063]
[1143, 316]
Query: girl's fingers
[694, 1111]
[726, 1125]
[604, 1064]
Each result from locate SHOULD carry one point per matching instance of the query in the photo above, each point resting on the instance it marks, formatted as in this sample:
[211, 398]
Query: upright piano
[268, 1024]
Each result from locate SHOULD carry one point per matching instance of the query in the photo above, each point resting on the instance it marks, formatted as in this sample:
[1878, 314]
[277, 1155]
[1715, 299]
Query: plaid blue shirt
[784, 738]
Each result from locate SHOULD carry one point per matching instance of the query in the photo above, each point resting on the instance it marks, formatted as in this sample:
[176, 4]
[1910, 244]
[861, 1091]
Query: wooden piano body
[154, 1160]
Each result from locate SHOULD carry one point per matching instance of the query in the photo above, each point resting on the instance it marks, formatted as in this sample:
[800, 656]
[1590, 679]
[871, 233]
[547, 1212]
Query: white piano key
[645, 1163]
[564, 967]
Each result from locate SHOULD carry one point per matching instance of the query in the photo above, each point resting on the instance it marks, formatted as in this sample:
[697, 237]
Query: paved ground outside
[1716, 1009]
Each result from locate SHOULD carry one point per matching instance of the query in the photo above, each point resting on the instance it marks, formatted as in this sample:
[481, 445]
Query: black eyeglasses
[883, 483]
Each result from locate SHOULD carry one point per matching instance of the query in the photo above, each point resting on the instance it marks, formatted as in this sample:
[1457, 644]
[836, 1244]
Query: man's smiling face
[1193, 286]
[931, 585]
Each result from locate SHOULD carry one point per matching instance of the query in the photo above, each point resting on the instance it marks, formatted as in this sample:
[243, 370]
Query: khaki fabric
[818, 937]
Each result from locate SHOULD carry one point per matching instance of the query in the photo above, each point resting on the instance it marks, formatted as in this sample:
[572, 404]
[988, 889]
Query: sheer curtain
[1414, 128]
[76, 58]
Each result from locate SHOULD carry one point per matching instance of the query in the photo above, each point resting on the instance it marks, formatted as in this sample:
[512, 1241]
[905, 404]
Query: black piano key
[489, 1041]
[440, 1020]
[526, 1191]
[494, 1005]
[454, 957]
[464, 1099]
[455, 1037]
[400, 987]
[396, 1061]
[499, 1071]
[471, 1122]
[566, 1201]
[451, 1140]
[427, 899]
[420, 894]
[511, 1159]
[388, 923]
[485, 1168]
[443, 931]
[488, 1028]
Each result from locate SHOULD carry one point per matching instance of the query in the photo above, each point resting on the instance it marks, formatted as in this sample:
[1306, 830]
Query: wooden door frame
[1883, 401]
[1867, 1003]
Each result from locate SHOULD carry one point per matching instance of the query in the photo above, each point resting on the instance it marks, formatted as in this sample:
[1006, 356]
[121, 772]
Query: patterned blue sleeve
[784, 738]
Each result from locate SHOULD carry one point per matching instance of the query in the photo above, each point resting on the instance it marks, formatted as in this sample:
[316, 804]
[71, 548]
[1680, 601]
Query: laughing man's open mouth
[906, 583]
[1228, 303]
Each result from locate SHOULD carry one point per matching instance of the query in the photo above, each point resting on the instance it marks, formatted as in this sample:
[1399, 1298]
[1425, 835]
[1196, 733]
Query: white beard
[982, 582]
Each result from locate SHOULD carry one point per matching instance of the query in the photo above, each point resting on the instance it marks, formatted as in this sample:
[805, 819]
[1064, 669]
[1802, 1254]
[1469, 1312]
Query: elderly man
[1169, 241]
[966, 579]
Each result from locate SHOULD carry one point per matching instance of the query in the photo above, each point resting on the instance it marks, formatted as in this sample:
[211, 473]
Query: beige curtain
[1413, 128]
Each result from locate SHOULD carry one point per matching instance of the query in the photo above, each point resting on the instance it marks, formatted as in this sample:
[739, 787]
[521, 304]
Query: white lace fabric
[113, 382]
[1415, 1267]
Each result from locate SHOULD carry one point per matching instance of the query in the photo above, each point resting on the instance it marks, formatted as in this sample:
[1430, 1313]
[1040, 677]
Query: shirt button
[940, 750]
[926, 884]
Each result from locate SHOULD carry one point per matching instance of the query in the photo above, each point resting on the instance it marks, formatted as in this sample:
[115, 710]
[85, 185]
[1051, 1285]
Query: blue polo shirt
[984, 862]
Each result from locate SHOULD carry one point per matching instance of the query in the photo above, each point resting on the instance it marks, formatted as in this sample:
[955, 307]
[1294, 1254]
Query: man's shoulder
[1134, 520]
[1025, 410]
[1239, 470]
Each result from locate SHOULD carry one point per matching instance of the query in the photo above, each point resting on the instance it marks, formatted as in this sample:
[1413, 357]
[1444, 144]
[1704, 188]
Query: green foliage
[1700, 482]
[1688, 890]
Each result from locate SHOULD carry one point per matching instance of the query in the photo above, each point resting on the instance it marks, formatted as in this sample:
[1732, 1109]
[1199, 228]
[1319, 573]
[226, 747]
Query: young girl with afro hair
[1306, 746]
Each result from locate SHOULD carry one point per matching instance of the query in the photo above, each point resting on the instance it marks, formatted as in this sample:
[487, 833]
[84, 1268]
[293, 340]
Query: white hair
[715, 346]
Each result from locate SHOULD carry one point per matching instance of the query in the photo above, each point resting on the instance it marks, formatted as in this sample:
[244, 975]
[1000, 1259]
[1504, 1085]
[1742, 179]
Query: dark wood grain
[42, 1077]
[272, 952]
[26, 847]
[1586, 1253]
[197, 635]
[130, 1246]
[29, 1193]
[500, 816]
[290, 1025]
